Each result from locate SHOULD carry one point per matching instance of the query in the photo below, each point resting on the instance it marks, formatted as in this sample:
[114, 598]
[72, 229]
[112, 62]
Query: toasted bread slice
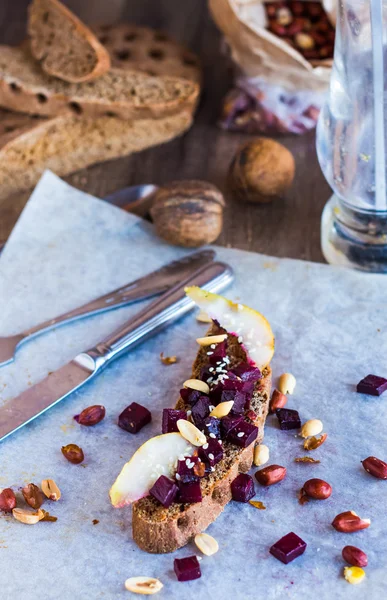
[66, 144]
[24, 87]
[157, 529]
[65, 47]
[149, 51]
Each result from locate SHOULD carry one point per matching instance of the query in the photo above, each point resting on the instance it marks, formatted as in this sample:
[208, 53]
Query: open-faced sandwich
[180, 481]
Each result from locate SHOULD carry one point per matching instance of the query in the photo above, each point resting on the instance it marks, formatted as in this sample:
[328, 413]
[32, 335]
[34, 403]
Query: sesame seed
[212, 435]
[212, 468]
[211, 407]
[220, 442]
[187, 462]
[241, 434]
[213, 346]
[205, 446]
[189, 413]
[211, 456]
[240, 339]
[209, 353]
[211, 369]
[178, 477]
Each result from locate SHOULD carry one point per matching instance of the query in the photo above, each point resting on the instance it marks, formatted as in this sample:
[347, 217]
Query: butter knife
[150, 285]
[84, 367]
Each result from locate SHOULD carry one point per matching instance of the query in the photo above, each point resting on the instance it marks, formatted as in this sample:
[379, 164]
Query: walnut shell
[188, 213]
[261, 170]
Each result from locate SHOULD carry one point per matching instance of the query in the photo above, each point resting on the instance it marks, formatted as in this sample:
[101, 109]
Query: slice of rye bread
[157, 529]
[65, 47]
[66, 144]
[149, 51]
[24, 87]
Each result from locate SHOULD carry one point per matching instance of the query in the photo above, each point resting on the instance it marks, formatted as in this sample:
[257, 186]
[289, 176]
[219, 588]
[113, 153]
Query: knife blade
[84, 367]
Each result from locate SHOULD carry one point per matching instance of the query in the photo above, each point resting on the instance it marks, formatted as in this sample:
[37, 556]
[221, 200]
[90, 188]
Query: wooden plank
[288, 227]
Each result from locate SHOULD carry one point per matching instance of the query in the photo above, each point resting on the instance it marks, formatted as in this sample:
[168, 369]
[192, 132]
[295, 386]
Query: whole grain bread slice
[157, 529]
[65, 47]
[24, 87]
[66, 144]
[147, 50]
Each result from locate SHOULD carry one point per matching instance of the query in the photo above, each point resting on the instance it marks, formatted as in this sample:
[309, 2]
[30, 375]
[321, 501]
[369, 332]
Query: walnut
[188, 213]
[261, 170]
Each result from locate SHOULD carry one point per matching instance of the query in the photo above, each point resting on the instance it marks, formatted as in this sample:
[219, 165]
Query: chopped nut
[222, 409]
[317, 489]
[50, 489]
[73, 453]
[91, 415]
[95, 521]
[211, 339]
[376, 467]
[278, 400]
[28, 517]
[349, 521]
[203, 317]
[257, 504]
[33, 496]
[7, 500]
[315, 442]
[270, 475]
[354, 575]
[306, 459]
[48, 517]
[287, 383]
[143, 585]
[191, 433]
[261, 455]
[197, 384]
[302, 497]
[311, 427]
[206, 544]
[168, 360]
[354, 556]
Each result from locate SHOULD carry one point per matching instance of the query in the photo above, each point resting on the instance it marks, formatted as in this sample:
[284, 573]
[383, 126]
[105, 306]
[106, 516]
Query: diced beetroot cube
[187, 569]
[236, 383]
[288, 418]
[288, 548]
[241, 402]
[243, 434]
[189, 469]
[372, 385]
[228, 423]
[211, 427]
[218, 353]
[190, 492]
[190, 396]
[164, 490]
[134, 418]
[211, 453]
[170, 419]
[200, 411]
[247, 372]
[242, 488]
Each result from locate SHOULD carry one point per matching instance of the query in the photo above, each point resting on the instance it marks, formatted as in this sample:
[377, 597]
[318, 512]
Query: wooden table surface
[288, 227]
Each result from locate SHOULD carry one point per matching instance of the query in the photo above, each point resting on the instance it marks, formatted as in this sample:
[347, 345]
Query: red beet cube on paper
[134, 418]
[288, 548]
[187, 569]
[372, 385]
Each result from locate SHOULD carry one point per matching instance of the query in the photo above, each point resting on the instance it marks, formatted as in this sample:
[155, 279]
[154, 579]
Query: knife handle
[169, 307]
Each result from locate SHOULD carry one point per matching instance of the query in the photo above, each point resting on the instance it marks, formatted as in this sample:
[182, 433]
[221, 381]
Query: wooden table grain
[285, 228]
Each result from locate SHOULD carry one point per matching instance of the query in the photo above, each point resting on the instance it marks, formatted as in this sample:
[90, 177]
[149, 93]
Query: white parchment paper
[330, 327]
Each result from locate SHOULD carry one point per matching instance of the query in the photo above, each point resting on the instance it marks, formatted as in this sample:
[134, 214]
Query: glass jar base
[345, 244]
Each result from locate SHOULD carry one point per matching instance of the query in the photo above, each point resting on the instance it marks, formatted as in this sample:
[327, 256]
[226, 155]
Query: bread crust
[66, 144]
[24, 87]
[159, 530]
[44, 53]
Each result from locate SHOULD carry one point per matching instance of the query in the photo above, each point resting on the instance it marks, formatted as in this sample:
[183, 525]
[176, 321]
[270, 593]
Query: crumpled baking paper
[330, 327]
